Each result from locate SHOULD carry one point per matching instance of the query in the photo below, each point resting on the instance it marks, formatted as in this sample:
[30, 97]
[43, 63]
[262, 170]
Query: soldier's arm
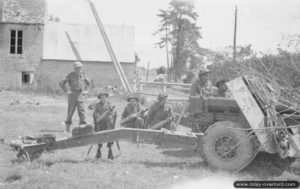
[149, 116]
[87, 81]
[125, 113]
[171, 112]
[194, 89]
[96, 114]
[140, 112]
[62, 84]
[113, 111]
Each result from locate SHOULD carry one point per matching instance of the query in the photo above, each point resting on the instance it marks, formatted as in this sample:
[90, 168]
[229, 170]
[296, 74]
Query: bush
[161, 70]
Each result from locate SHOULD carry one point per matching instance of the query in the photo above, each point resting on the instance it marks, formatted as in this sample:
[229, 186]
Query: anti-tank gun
[231, 131]
[251, 121]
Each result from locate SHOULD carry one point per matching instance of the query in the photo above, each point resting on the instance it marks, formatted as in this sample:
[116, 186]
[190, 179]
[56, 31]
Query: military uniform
[135, 122]
[223, 89]
[108, 123]
[78, 84]
[158, 113]
[200, 88]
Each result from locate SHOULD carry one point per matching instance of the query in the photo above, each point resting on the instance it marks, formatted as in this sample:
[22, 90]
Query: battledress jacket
[158, 113]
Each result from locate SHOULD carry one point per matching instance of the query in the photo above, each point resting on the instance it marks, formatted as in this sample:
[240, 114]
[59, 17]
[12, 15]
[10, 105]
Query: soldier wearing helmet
[105, 123]
[159, 111]
[222, 88]
[202, 87]
[133, 110]
[78, 85]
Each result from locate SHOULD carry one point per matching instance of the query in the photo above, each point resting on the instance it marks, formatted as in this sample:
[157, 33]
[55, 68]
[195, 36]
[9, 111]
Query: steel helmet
[203, 72]
[132, 96]
[77, 64]
[102, 92]
[162, 95]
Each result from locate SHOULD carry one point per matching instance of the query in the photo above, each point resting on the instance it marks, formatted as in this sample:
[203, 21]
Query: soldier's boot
[110, 154]
[98, 155]
[68, 125]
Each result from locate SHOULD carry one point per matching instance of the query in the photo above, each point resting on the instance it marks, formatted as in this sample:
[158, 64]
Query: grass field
[143, 166]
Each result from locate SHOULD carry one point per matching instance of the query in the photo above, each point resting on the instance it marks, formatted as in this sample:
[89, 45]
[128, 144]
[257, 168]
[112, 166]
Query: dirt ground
[143, 166]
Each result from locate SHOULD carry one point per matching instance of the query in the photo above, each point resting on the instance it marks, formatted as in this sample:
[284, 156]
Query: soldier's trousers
[135, 123]
[106, 124]
[75, 101]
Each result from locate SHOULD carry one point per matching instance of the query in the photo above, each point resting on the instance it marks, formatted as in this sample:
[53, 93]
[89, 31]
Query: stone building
[21, 40]
[36, 52]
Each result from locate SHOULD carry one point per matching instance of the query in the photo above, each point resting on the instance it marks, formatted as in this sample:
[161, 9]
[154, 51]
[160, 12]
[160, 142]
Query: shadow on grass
[180, 165]
[69, 161]
[269, 165]
[13, 178]
[181, 153]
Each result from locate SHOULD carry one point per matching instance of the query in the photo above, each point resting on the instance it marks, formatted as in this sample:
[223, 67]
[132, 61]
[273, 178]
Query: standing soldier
[159, 111]
[202, 87]
[104, 119]
[132, 115]
[78, 85]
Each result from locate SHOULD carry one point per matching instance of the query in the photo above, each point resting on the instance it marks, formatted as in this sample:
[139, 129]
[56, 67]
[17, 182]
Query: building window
[27, 78]
[16, 41]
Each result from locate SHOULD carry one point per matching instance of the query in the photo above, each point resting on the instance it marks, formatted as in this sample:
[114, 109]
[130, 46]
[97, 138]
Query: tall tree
[179, 21]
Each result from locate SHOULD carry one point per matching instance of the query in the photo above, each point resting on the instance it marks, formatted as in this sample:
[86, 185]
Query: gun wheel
[23, 156]
[227, 147]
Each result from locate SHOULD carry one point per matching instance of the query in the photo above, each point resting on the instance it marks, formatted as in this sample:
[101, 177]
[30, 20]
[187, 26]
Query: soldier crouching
[104, 119]
[132, 116]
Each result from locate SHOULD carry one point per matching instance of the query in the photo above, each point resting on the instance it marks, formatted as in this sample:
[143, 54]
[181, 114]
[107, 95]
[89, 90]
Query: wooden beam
[74, 49]
[116, 63]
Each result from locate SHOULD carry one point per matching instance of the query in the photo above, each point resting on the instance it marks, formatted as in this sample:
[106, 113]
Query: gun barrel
[162, 123]
[132, 116]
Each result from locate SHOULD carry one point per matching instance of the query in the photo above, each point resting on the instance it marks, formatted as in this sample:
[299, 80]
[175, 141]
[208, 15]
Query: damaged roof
[23, 11]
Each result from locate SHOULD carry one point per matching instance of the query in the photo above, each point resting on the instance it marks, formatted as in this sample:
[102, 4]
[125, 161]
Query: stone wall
[100, 73]
[12, 65]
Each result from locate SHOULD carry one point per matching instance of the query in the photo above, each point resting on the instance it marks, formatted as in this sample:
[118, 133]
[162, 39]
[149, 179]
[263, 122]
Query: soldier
[78, 85]
[104, 119]
[222, 88]
[159, 111]
[202, 87]
[133, 113]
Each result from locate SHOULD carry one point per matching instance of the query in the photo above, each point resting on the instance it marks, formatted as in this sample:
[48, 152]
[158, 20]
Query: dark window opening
[27, 77]
[16, 41]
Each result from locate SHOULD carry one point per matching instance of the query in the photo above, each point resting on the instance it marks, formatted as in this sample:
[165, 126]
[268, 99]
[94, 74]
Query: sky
[261, 23]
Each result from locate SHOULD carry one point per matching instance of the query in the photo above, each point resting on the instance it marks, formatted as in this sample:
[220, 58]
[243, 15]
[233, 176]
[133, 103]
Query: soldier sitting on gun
[222, 88]
[132, 116]
[160, 111]
[202, 86]
[104, 119]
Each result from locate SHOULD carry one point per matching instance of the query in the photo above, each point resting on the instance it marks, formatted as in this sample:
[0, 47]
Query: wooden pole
[74, 49]
[116, 63]
[148, 71]
[167, 52]
[234, 36]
